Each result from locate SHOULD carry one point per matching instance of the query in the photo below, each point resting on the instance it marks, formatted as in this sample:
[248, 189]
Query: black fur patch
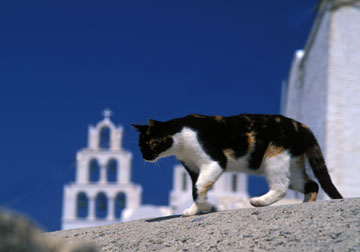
[311, 187]
[194, 176]
[319, 168]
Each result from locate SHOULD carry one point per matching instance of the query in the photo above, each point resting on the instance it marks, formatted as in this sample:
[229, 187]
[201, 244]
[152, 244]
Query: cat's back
[246, 122]
[246, 134]
[281, 131]
[270, 124]
[268, 127]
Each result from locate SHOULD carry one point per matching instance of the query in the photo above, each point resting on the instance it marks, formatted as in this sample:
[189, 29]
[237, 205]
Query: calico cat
[272, 145]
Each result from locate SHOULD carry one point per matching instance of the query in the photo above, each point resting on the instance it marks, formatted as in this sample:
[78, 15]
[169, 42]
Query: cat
[270, 145]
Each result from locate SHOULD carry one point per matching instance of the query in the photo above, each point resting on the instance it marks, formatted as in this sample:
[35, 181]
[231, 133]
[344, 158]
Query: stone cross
[107, 113]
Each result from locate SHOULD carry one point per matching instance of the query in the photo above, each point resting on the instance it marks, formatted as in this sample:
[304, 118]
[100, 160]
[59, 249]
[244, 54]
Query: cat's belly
[241, 164]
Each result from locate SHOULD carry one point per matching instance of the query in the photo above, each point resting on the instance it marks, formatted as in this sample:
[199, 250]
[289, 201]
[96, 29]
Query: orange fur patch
[310, 197]
[304, 126]
[251, 140]
[198, 116]
[219, 118]
[204, 189]
[296, 126]
[273, 151]
[229, 153]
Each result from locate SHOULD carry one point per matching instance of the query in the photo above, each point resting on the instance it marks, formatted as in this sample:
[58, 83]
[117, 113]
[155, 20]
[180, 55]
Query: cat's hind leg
[207, 177]
[276, 167]
[311, 190]
[300, 181]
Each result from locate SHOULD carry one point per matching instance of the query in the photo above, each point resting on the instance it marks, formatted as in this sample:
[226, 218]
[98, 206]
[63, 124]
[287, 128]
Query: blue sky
[63, 62]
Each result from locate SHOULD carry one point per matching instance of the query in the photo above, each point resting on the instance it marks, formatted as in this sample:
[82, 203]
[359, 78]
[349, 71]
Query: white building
[323, 89]
[102, 192]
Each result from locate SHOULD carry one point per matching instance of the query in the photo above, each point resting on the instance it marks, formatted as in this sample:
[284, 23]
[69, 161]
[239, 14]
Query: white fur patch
[277, 173]
[241, 165]
[187, 148]
[277, 170]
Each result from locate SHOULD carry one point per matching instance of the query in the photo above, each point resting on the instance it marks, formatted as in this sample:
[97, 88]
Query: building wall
[343, 124]
[323, 89]
[307, 86]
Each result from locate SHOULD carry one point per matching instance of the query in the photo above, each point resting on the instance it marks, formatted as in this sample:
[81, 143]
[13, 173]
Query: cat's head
[154, 139]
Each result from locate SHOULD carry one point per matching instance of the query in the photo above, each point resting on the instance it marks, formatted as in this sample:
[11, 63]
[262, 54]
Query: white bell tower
[102, 192]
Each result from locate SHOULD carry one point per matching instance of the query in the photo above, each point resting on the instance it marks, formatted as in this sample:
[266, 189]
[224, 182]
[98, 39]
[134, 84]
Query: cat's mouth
[153, 160]
[150, 159]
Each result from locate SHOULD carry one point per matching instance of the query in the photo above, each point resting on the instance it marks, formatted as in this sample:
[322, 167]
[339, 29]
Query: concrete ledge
[320, 226]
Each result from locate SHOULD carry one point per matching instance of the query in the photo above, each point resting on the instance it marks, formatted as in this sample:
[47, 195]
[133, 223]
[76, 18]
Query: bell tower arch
[103, 172]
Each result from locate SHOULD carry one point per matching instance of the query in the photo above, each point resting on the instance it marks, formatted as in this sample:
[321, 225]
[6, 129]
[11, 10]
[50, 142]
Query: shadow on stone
[163, 218]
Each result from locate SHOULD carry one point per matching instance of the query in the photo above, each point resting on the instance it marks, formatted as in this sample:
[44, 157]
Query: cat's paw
[199, 208]
[193, 210]
[258, 202]
[205, 207]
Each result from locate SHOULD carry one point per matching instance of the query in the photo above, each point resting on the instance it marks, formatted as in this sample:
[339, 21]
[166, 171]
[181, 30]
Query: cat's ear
[140, 128]
[153, 123]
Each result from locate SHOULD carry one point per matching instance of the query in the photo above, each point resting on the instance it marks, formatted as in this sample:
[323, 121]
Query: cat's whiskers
[158, 168]
[143, 167]
[164, 160]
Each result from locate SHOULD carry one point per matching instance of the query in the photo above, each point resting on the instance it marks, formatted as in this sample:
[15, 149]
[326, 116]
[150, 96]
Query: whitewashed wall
[323, 90]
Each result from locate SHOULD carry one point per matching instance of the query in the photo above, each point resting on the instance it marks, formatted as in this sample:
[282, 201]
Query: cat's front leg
[207, 177]
[193, 210]
[199, 208]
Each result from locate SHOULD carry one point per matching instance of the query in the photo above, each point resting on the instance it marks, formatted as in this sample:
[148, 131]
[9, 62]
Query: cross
[107, 113]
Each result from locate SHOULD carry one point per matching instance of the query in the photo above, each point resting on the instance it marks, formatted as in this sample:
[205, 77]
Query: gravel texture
[320, 226]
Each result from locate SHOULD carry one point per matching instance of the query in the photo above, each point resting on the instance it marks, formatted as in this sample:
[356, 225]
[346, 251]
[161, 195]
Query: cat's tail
[317, 163]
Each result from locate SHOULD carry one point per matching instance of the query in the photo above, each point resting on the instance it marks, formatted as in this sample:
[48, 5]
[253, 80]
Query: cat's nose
[149, 158]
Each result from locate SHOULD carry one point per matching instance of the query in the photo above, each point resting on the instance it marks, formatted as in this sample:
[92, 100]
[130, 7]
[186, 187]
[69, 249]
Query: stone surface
[320, 226]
